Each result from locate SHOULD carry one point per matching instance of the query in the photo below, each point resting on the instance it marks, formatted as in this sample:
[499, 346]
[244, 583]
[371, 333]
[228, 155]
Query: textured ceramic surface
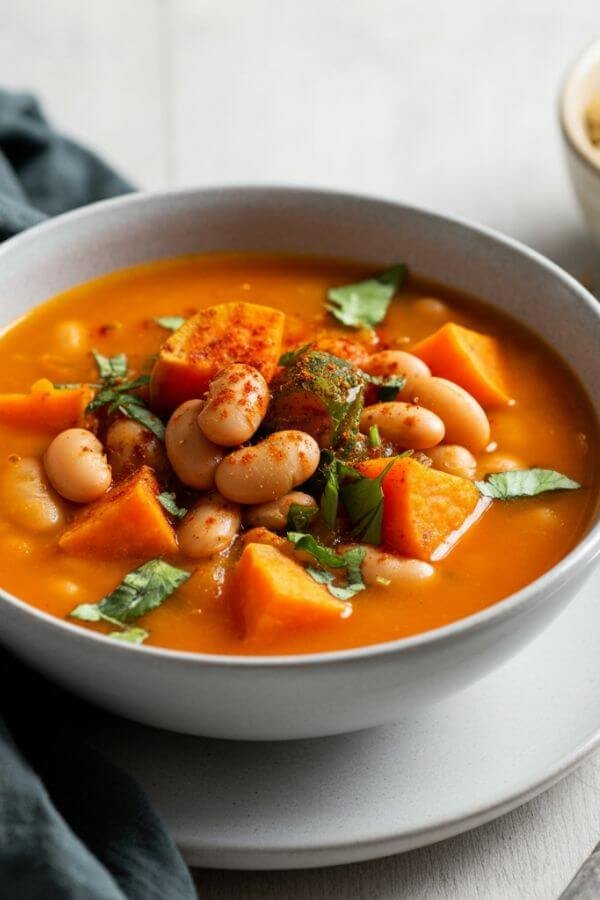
[303, 696]
[336, 800]
[582, 84]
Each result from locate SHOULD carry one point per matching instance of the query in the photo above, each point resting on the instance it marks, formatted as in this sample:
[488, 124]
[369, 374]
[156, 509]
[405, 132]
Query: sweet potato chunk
[470, 359]
[127, 521]
[422, 506]
[46, 407]
[275, 594]
[215, 337]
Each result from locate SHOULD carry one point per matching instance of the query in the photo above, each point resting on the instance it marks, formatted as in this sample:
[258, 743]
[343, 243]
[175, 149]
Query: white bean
[76, 465]
[466, 422]
[453, 459]
[396, 362]
[268, 470]
[26, 497]
[210, 526]
[274, 514]
[379, 567]
[235, 406]
[499, 461]
[431, 307]
[129, 445]
[411, 427]
[193, 457]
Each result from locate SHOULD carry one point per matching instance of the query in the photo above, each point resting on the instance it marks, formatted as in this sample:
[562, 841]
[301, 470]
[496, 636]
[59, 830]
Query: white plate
[335, 800]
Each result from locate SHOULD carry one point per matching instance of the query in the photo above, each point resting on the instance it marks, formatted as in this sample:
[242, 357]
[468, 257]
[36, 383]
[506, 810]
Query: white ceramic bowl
[323, 693]
[582, 84]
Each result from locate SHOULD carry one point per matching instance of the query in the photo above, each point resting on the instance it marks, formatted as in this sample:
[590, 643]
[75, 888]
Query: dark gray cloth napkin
[72, 825]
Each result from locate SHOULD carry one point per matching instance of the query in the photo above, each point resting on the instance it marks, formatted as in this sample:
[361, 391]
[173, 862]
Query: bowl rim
[580, 65]
[582, 555]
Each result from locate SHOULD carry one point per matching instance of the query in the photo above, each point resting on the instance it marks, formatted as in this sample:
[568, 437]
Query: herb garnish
[524, 483]
[365, 303]
[116, 394]
[131, 635]
[172, 323]
[374, 436]
[110, 368]
[299, 516]
[388, 385]
[363, 501]
[336, 471]
[168, 500]
[286, 359]
[350, 561]
[339, 592]
[140, 592]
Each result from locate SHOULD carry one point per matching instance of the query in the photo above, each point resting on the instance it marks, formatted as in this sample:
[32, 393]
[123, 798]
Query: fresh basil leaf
[286, 359]
[171, 323]
[87, 612]
[365, 303]
[388, 385]
[131, 635]
[320, 575]
[363, 501]
[169, 501]
[330, 495]
[350, 559]
[110, 367]
[337, 591]
[140, 592]
[336, 471]
[524, 483]
[374, 436]
[118, 397]
[388, 392]
[135, 409]
[124, 387]
[300, 516]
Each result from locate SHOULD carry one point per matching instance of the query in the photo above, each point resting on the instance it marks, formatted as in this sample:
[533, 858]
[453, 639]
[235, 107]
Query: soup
[255, 454]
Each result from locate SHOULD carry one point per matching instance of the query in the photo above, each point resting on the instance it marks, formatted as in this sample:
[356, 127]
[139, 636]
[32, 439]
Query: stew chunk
[422, 507]
[214, 338]
[274, 593]
[127, 521]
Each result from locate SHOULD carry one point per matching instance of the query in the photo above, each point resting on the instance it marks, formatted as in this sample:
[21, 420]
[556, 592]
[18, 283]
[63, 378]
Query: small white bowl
[276, 697]
[581, 85]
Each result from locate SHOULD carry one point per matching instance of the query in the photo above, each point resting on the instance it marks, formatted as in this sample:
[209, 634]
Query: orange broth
[551, 425]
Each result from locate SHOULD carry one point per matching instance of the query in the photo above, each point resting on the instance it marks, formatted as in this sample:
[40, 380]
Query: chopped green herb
[169, 501]
[337, 591]
[171, 323]
[336, 471]
[363, 502]
[134, 408]
[116, 393]
[300, 516]
[351, 561]
[131, 635]
[110, 368]
[140, 592]
[524, 483]
[87, 612]
[365, 303]
[388, 385]
[374, 436]
[286, 359]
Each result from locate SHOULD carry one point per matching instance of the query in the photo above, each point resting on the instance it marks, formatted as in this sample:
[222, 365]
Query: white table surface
[446, 105]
